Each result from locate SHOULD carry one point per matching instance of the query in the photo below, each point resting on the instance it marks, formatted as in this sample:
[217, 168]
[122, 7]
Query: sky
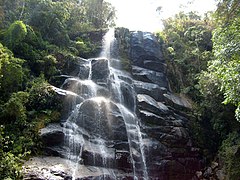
[142, 14]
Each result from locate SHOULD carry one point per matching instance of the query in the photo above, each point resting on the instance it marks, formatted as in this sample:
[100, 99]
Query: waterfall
[117, 124]
[130, 118]
[104, 111]
[108, 41]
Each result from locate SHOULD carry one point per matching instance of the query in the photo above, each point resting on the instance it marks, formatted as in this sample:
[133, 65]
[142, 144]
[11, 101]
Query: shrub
[15, 34]
[230, 154]
[9, 163]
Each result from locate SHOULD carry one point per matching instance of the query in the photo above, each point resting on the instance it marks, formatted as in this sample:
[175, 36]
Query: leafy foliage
[11, 72]
[188, 48]
[225, 69]
[230, 155]
[203, 59]
[39, 40]
[10, 167]
[15, 34]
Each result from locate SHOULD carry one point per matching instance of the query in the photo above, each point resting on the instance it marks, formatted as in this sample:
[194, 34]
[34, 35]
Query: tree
[226, 47]
[50, 18]
[15, 34]
[187, 50]
[99, 13]
[11, 72]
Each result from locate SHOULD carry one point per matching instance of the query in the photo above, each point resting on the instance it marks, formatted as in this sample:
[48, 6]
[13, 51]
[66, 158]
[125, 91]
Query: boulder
[177, 101]
[100, 117]
[84, 69]
[123, 160]
[154, 150]
[154, 65]
[42, 168]
[151, 118]
[72, 65]
[100, 70]
[150, 89]
[128, 96]
[146, 75]
[144, 45]
[168, 135]
[69, 100]
[96, 153]
[84, 88]
[52, 135]
[146, 102]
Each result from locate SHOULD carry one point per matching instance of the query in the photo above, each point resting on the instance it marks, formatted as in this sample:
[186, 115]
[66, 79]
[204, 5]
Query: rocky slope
[118, 124]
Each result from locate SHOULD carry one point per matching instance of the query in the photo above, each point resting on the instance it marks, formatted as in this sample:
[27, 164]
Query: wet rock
[154, 150]
[175, 167]
[168, 135]
[177, 102]
[100, 70]
[150, 89]
[84, 88]
[72, 65]
[98, 154]
[123, 160]
[84, 70]
[101, 117]
[69, 100]
[122, 145]
[52, 135]
[147, 103]
[180, 133]
[151, 118]
[144, 45]
[128, 96]
[155, 66]
[58, 151]
[149, 76]
[55, 168]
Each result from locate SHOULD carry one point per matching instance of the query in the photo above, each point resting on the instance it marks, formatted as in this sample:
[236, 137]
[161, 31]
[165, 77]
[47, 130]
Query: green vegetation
[203, 58]
[15, 34]
[38, 40]
[187, 41]
[225, 68]
[229, 154]
[41, 39]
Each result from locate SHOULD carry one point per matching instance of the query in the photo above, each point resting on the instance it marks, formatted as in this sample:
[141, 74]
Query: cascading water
[106, 101]
[129, 116]
[99, 136]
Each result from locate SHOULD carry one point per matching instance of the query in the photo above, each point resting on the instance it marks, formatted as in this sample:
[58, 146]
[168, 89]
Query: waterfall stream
[130, 118]
[117, 123]
[89, 128]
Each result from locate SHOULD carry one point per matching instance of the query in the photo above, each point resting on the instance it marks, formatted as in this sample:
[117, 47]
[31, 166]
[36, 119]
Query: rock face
[168, 146]
[119, 126]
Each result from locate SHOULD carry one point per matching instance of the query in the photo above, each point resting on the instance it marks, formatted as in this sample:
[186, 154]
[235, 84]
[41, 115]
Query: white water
[87, 90]
[130, 118]
[90, 70]
[107, 42]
